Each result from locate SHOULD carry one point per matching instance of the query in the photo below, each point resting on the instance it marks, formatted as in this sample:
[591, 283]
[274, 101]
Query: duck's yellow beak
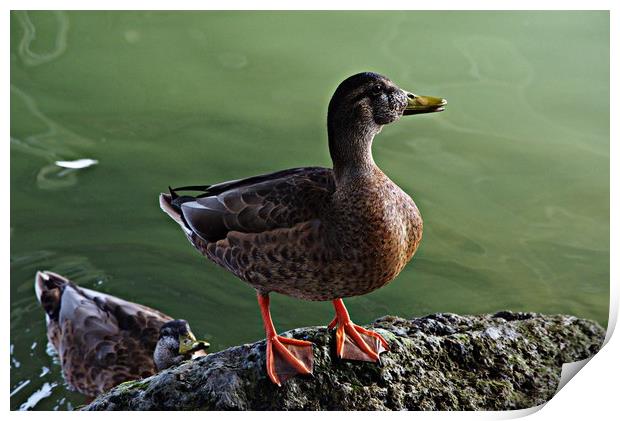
[418, 104]
[188, 344]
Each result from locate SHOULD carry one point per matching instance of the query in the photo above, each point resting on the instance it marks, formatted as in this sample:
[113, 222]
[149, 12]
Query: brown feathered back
[294, 232]
[101, 340]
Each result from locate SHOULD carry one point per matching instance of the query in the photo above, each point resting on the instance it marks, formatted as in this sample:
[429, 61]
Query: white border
[307, 5]
[593, 393]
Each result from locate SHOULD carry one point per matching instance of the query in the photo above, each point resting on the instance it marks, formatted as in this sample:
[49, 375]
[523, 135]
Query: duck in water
[103, 341]
[315, 233]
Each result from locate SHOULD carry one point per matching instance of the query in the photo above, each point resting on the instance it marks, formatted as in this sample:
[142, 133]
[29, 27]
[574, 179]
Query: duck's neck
[350, 147]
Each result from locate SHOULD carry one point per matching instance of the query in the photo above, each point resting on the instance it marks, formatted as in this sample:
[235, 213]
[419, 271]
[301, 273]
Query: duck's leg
[286, 357]
[353, 342]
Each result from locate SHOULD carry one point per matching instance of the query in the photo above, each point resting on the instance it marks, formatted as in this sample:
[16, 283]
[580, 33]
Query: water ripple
[31, 58]
[36, 397]
[55, 143]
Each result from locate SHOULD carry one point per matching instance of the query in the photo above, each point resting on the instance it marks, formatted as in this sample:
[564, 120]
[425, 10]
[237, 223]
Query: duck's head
[361, 106]
[370, 99]
[176, 343]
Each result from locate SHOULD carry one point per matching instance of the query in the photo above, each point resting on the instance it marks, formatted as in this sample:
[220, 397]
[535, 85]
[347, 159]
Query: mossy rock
[438, 362]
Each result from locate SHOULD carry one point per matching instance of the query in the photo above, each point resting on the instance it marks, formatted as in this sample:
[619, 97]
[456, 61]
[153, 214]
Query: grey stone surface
[438, 362]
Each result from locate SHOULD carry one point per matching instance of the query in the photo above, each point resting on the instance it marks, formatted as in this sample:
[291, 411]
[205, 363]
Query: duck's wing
[118, 337]
[256, 204]
[101, 340]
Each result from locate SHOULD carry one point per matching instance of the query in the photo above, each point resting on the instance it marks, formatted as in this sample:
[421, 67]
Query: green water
[512, 179]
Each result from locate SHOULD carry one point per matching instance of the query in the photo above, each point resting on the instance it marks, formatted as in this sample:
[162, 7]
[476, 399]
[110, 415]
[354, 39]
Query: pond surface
[512, 179]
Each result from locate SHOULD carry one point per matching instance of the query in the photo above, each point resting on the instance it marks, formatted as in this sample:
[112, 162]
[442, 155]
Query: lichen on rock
[438, 362]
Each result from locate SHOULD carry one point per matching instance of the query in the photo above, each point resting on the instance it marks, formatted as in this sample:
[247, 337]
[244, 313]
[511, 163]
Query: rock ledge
[438, 362]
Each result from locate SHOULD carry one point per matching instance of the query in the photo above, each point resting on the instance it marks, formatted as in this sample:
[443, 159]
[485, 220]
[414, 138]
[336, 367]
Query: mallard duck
[315, 233]
[103, 340]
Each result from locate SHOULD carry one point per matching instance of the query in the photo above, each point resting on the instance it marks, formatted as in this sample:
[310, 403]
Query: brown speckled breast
[359, 241]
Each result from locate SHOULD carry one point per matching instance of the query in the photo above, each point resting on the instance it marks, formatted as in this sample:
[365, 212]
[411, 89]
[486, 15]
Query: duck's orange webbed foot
[353, 342]
[286, 357]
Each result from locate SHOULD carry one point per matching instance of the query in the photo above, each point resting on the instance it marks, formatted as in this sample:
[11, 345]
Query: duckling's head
[176, 343]
[362, 105]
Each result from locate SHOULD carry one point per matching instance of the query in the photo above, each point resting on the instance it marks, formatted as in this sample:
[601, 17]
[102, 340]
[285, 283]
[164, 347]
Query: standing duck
[315, 233]
[103, 341]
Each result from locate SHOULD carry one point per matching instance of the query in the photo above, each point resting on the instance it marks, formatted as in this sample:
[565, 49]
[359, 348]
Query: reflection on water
[58, 33]
[50, 144]
[42, 393]
[512, 179]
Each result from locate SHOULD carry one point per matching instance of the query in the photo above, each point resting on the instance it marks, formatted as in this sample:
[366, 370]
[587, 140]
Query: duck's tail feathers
[171, 204]
[202, 189]
[48, 287]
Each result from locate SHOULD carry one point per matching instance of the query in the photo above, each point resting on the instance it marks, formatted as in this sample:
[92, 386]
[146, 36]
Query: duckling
[315, 233]
[103, 341]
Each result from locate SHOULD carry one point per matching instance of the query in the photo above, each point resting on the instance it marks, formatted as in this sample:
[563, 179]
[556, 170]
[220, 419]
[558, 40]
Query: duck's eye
[377, 89]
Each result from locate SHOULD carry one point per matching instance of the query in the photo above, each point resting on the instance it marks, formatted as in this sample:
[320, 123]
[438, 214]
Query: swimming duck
[103, 341]
[315, 233]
